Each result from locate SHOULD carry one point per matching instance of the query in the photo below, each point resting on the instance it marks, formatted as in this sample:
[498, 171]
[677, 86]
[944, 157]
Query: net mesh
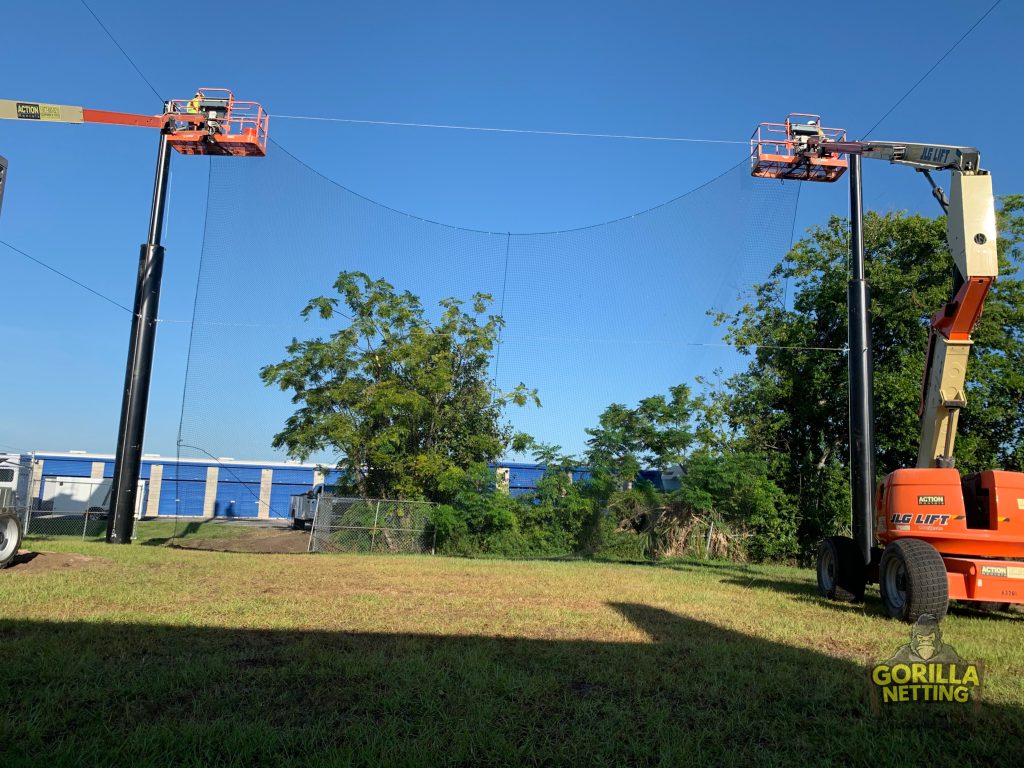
[603, 314]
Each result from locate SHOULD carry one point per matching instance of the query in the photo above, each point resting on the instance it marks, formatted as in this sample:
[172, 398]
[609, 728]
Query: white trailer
[78, 495]
[14, 488]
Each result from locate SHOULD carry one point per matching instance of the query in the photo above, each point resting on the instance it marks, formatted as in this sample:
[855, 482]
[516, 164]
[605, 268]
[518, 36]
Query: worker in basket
[195, 107]
[801, 132]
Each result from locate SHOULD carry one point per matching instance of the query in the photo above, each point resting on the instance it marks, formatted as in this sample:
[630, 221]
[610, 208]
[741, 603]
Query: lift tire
[841, 573]
[912, 580]
[10, 538]
[298, 525]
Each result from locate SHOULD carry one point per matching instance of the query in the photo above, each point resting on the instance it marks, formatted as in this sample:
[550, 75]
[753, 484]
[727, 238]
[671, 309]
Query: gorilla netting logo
[926, 669]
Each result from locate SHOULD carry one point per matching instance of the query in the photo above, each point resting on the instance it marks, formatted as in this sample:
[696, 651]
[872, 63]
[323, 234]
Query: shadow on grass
[762, 581]
[739, 570]
[871, 606]
[972, 610]
[139, 694]
[188, 529]
[23, 558]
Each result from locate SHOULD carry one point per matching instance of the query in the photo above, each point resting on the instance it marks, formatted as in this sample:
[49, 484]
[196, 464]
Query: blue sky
[78, 196]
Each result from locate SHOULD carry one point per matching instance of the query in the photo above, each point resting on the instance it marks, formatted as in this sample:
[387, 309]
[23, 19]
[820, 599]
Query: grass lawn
[151, 655]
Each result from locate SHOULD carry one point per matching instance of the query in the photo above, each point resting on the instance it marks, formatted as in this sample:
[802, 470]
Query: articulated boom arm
[211, 123]
[930, 157]
[64, 113]
[971, 233]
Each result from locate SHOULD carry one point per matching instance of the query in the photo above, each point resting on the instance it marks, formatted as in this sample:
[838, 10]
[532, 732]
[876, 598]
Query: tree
[790, 403]
[655, 434]
[406, 403]
[736, 487]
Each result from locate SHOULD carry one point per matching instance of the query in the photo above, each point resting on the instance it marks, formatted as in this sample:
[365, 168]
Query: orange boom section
[779, 150]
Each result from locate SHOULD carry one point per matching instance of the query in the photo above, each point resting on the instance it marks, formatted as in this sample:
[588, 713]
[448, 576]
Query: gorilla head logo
[926, 637]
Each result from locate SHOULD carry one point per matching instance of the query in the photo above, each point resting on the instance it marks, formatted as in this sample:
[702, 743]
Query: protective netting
[608, 313]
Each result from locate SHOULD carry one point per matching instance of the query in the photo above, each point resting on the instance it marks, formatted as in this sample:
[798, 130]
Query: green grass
[148, 655]
[160, 531]
[148, 531]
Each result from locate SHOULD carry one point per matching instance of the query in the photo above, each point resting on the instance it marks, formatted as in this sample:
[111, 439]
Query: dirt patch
[276, 542]
[41, 562]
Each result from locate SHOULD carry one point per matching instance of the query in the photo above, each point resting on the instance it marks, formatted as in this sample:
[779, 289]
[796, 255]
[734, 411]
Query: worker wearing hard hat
[193, 106]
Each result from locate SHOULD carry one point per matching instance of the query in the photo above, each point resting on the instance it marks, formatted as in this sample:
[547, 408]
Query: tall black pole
[861, 361]
[128, 461]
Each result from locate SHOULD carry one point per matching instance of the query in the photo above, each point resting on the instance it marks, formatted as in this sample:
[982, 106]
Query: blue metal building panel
[182, 497]
[523, 477]
[144, 470]
[67, 467]
[652, 476]
[280, 496]
[293, 477]
[580, 475]
[234, 473]
[236, 499]
[175, 471]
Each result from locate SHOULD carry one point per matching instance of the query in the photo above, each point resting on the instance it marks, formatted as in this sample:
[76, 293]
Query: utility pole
[139, 369]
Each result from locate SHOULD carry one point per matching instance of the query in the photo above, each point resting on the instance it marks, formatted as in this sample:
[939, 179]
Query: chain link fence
[67, 507]
[345, 524]
[51, 506]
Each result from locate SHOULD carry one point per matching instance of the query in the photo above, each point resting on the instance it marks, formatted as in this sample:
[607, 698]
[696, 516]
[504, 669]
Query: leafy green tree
[656, 434]
[554, 514]
[405, 402]
[479, 519]
[736, 488]
[790, 404]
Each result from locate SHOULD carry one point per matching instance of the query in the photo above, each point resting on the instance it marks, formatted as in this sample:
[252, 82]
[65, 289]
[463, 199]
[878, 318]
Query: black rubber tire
[298, 525]
[912, 580]
[841, 571]
[10, 538]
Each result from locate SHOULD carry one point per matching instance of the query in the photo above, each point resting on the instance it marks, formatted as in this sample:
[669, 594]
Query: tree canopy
[790, 403]
[404, 401]
[653, 435]
[407, 404]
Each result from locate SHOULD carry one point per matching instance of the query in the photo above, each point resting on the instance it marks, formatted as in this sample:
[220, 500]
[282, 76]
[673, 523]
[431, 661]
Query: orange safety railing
[778, 150]
[242, 125]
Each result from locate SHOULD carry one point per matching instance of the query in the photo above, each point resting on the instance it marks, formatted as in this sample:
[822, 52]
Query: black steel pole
[861, 371]
[128, 461]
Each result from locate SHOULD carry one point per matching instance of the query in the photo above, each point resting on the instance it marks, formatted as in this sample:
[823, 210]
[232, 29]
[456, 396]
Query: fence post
[28, 492]
[316, 516]
[373, 533]
[707, 544]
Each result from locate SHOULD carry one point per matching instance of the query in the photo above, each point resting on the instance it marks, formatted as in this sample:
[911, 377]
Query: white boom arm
[971, 234]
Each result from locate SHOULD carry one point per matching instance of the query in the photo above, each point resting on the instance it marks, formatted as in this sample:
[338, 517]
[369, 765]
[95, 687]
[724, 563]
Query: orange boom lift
[936, 534]
[210, 123]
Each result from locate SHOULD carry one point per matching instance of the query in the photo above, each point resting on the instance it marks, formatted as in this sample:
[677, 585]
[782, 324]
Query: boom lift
[937, 535]
[210, 123]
